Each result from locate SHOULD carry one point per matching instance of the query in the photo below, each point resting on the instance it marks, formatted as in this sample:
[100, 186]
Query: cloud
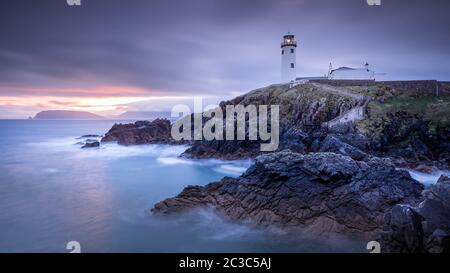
[210, 47]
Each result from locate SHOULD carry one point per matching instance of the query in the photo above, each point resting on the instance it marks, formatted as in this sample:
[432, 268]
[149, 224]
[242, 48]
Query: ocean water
[53, 192]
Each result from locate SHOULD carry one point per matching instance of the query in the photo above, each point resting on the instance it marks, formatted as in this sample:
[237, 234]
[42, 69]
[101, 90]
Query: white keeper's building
[289, 67]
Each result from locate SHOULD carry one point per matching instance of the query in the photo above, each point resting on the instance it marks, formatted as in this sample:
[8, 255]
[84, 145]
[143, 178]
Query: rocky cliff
[376, 120]
[337, 172]
[304, 111]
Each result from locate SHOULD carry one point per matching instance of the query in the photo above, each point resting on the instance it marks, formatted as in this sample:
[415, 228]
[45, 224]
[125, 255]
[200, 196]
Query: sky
[111, 56]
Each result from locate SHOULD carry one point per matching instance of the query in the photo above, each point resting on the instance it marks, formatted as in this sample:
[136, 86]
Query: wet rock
[427, 226]
[334, 145]
[141, 132]
[323, 194]
[91, 143]
[88, 136]
[403, 232]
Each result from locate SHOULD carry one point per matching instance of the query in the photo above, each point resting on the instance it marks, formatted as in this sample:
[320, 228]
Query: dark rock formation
[303, 109]
[91, 143]
[226, 150]
[403, 231]
[420, 229]
[141, 132]
[334, 145]
[322, 194]
[88, 136]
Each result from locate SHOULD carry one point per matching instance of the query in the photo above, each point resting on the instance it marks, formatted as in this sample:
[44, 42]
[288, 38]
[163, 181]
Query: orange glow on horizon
[100, 100]
[93, 104]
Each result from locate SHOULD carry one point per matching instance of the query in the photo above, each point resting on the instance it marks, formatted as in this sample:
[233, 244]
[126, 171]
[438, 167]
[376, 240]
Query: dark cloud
[213, 46]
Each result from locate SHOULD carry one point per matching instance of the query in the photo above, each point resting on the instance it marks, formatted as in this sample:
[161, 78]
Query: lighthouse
[288, 58]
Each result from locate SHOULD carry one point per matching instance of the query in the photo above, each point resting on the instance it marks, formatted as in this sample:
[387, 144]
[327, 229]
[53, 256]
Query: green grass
[385, 100]
[434, 109]
[371, 91]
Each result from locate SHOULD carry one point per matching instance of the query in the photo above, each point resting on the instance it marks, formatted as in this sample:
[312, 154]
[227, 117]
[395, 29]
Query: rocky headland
[337, 169]
[320, 193]
[64, 114]
[157, 131]
[327, 195]
[411, 128]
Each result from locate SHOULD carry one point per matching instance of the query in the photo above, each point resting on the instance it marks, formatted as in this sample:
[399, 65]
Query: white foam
[231, 169]
[174, 161]
[164, 154]
[428, 178]
[234, 168]
[113, 151]
[110, 150]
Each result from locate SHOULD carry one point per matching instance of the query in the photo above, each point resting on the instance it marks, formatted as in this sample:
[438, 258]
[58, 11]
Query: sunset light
[113, 100]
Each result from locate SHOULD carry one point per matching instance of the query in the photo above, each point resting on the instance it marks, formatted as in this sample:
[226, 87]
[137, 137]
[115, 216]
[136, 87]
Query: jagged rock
[294, 139]
[322, 194]
[436, 208]
[443, 180]
[141, 132]
[227, 150]
[424, 228]
[438, 242]
[403, 231]
[334, 145]
[91, 143]
[302, 111]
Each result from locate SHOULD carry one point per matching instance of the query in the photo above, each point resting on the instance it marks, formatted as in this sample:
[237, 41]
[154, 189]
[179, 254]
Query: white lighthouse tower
[288, 58]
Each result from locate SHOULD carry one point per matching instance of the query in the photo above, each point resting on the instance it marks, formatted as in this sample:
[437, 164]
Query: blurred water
[52, 192]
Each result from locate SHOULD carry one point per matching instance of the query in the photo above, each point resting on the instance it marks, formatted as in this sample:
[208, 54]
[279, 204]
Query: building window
[292, 50]
[292, 65]
[282, 52]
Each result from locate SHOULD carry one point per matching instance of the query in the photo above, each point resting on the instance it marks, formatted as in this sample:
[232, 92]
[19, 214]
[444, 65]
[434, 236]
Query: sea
[53, 192]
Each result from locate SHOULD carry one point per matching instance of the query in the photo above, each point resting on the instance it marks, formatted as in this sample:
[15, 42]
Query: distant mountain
[62, 114]
[138, 115]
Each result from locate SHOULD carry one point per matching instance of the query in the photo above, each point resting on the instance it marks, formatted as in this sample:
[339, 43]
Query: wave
[110, 150]
[174, 161]
[231, 168]
[207, 224]
[428, 178]
[163, 153]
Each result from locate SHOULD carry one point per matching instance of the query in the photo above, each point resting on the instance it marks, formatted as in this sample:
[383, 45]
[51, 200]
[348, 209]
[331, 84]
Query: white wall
[355, 74]
[287, 73]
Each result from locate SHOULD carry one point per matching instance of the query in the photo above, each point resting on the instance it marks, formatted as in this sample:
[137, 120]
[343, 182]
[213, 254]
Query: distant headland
[64, 114]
